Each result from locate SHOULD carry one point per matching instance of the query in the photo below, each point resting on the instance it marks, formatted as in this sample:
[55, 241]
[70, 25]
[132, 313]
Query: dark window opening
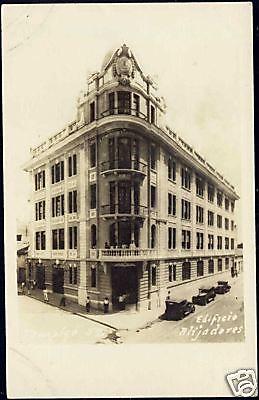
[92, 155]
[153, 197]
[92, 111]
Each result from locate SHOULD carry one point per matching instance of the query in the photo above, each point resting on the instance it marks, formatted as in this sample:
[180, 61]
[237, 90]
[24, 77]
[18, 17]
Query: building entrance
[124, 283]
[40, 276]
[57, 280]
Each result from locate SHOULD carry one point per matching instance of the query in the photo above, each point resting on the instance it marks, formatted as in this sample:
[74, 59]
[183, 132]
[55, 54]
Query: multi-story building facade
[121, 204]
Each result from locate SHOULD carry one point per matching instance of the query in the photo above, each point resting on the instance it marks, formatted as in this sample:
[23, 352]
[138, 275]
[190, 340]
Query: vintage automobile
[206, 294]
[178, 308]
[223, 287]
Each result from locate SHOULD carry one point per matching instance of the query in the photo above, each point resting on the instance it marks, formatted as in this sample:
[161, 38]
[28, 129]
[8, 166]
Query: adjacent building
[22, 244]
[121, 204]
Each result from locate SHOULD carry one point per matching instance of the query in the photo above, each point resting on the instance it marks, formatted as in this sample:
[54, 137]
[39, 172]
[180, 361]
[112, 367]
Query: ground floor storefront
[127, 285]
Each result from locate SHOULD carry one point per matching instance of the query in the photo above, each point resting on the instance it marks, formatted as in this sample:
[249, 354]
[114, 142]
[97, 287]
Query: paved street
[220, 321]
[43, 324]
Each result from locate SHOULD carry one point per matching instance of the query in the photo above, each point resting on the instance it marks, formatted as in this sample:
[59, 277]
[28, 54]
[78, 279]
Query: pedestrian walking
[62, 301]
[106, 305]
[121, 302]
[23, 287]
[45, 295]
[87, 304]
[29, 288]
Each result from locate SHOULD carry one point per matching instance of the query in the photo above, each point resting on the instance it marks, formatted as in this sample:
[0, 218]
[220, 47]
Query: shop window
[211, 267]
[186, 271]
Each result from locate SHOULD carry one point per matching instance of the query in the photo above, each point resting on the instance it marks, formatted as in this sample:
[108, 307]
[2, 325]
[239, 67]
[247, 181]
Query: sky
[198, 53]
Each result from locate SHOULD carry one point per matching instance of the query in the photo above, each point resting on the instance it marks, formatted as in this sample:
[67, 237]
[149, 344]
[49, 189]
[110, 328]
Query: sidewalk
[132, 320]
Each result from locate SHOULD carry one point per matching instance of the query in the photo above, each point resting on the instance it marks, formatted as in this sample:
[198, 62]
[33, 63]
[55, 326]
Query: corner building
[121, 204]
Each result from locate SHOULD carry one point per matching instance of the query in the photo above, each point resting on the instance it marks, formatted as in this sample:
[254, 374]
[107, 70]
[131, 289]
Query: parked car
[206, 294]
[178, 309]
[223, 287]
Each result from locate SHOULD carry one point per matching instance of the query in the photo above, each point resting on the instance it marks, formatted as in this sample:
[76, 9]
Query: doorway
[40, 276]
[124, 282]
[58, 280]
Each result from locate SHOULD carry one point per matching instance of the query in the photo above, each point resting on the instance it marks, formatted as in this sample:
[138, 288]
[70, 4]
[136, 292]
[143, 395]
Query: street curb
[73, 312]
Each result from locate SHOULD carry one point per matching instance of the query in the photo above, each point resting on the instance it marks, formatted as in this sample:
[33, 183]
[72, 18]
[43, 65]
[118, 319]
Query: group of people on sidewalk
[105, 305]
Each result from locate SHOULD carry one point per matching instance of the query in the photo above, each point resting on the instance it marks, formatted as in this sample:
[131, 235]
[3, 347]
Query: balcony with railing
[124, 166]
[123, 254]
[123, 210]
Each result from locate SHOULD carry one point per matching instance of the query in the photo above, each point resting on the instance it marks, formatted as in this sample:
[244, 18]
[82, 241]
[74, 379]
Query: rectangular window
[93, 196]
[135, 105]
[219, 244]
[219, 199]
[171, 204]
[199, 215]
[219, 264]
[199, 187]
[211, 193]
[124, 102]
[72, 201]
[58, 207]
[57, 172]
[232, 225]
[153, 275]
[111, 103]
[199, 240]
[72, 165]
[171, 238]
[186, 239]
[210, 218]
[153, 157]
[58, 239]
[171, 169]
[153, 197]
[72, 238]
[227, 263]
[75, 275]
[92, 155]
[219, 221]
[232, 244]
[40, 210]
[227, 224]
[152, 115]
[186, 178]
[92, 111]
[226, 204]
[186, 209]
[232, 206]
[40, 238]
[210, 242]
[227, 242]
[39, 179]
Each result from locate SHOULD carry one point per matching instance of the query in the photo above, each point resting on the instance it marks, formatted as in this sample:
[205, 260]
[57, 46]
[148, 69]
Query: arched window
[186, 271]
[200, 270]
[93, 236]
[153, 236]
[211, 267]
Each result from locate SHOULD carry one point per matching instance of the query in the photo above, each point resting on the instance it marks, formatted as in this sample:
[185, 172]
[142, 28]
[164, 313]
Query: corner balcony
[123, 211]
[130, 167]
[123, 254]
